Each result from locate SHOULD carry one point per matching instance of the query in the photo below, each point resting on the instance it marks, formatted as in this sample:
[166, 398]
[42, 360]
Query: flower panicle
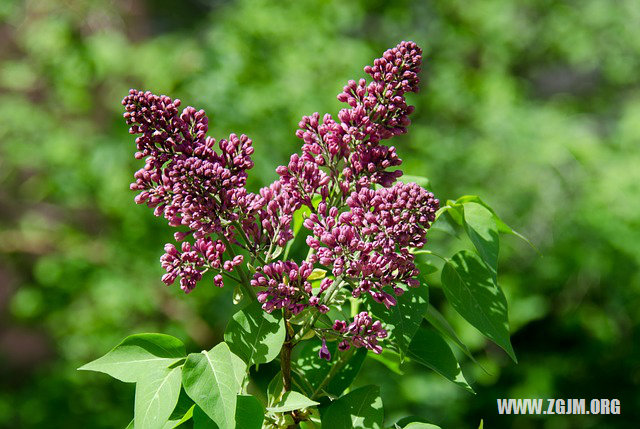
[363, 223]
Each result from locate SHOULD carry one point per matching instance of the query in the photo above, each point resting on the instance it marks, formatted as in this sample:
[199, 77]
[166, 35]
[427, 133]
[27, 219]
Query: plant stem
[344, 358]
[244, 284]
[329, 295]
[253, 251]
[285, 353]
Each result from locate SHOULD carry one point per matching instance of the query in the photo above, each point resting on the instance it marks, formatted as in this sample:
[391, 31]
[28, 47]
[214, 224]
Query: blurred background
[534, 106]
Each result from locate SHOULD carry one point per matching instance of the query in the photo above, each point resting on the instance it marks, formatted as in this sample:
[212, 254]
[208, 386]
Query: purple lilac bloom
[187, 181]
[364, 235]
[286, 286]
[370, 243]
[269, 216]
[324, 352]
[362, 332]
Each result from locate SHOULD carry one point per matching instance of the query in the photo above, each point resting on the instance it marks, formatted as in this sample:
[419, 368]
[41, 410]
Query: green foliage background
[534, 106]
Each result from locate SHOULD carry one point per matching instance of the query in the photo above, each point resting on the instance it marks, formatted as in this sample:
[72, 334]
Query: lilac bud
[324, 351]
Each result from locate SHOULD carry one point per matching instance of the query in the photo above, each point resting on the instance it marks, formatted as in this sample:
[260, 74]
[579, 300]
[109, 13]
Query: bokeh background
[534, 106]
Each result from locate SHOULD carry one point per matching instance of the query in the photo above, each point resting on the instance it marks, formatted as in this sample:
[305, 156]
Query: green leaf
[255, 335]
[291, 401]
[502, 226]
[249, 415]
[249, 412]
[317, 274]
[425, 267]
[483, 232]
[156, 397]
[201, 420]
[410, 419]
[314, 370]
[420, 180]
[402, 320]
[360, 409]
[130, 425]
[137, 354]
[182, 412]
[210, 379]
[437, 320]
[481, 424]
[472, 291]
[388, 358]
[431, 350]
[274, 390]
[446, 221]
[239, 368]
[420, 425]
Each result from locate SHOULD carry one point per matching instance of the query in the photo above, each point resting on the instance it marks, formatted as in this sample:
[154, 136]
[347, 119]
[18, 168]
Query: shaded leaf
[437, 320]
[388, 358]
[274, 390]
[431, 350]
[182, 412]
[360, 409]
[446, 223]
[470, 288]
[201, 420]
[402, 320]
[314, 370]
[249, 412]
[502, 226]
[137, 354]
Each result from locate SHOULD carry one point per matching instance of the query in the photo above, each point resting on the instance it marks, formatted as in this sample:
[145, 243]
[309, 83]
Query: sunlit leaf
[255, 335]
[156, 397]
[135, 355]
[359, 409]
[210, 379]
[290, 401]
[483, 232]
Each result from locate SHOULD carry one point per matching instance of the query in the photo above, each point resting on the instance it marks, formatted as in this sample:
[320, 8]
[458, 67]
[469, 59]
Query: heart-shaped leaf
[210, 379]
[156, 397]
[255, 335]
[360, 409]
[137, 354]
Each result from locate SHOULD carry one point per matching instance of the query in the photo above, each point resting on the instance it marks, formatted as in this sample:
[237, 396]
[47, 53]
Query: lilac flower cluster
[362, 332]
[187, 263]
[370, 243]
[363, 224]
[286, 286]
[187, 181]
[349, 147]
